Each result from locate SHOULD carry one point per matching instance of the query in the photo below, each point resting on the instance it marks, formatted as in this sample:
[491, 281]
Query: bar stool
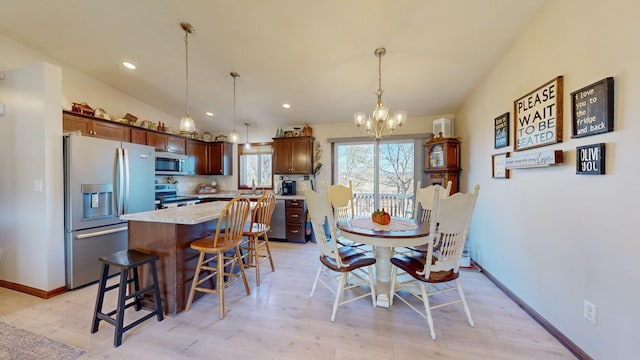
[126, 260]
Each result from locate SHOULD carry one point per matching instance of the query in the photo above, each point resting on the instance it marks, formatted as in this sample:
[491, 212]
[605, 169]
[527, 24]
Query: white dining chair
[436, 271]
[337, 262]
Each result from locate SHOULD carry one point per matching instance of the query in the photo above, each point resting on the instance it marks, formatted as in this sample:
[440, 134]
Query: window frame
[240, 154]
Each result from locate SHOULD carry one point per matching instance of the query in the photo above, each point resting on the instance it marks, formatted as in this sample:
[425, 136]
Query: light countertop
[226, 195]
[188, 215]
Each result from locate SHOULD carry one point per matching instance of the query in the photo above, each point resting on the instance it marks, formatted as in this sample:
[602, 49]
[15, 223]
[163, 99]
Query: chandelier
[187, 126]
[379, 123]
[233, 137]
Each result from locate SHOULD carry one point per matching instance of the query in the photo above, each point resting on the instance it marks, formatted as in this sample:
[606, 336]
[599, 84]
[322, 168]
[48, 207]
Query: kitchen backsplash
[189, 184]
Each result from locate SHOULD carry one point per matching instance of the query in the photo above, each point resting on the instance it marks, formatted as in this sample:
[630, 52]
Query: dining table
[400, 232]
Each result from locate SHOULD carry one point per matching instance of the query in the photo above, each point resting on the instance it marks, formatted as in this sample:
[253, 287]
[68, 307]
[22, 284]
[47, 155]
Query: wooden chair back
[231, 222]
[425, 198]
[451, 218]
[341, 199]
[262, 212]
[319, 213]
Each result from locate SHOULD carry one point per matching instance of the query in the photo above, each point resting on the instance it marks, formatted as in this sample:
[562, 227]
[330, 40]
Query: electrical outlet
[590, 312]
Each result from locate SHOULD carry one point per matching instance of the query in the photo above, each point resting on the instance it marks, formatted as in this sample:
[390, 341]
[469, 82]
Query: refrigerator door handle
[127, 180]
[120, 182]
[101, 233]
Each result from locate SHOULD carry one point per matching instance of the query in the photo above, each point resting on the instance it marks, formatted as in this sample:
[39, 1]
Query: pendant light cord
[186, 51]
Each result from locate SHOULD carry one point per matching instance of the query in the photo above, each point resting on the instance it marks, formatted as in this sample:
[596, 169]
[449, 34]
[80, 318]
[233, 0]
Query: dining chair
[221, 248]
[423, 205]
[343, 207]
[424, 200]
[436, 271]
[337, 262]
[256, 234]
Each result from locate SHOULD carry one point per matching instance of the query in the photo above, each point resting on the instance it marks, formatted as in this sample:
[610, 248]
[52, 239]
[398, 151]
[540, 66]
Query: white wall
[31, 246]
[553, 237]
[34, 92]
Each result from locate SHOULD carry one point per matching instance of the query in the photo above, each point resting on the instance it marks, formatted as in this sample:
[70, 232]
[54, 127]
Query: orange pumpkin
[376, 216]
[385, 219]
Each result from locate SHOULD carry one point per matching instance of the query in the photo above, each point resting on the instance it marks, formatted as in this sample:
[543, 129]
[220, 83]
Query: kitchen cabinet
[295, 217]
[139, 136]
[196, 158]
[442, 162]
[293, 155]
[89, 126]
[164, 142]
[219, 158]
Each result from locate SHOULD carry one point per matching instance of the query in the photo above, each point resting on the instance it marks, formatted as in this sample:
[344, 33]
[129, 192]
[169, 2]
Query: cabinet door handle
[295, 216]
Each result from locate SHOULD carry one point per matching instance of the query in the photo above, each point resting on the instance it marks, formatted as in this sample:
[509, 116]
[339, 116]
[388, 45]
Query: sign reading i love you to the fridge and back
[592, 109]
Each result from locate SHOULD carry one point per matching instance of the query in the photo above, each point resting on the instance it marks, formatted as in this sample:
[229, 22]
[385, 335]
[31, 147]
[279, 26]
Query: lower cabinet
[295, 217]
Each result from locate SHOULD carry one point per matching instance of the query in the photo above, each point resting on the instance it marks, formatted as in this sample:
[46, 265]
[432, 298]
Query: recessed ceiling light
[209, 113]
[128, 65]
[286, 106]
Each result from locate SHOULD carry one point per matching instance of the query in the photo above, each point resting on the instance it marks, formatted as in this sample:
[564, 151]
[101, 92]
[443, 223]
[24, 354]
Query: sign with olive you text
[590, 159]
[538, 116]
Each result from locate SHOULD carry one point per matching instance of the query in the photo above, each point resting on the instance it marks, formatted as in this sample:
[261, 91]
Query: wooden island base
[177, 260]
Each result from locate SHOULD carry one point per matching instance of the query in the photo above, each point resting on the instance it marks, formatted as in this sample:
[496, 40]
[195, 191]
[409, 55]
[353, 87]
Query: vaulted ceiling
[317, 56]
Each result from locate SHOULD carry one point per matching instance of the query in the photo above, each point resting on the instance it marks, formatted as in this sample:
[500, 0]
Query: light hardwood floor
[280, 321]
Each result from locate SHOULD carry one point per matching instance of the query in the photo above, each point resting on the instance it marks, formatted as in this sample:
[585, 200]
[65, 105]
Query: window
[255, 166]
[382, 175]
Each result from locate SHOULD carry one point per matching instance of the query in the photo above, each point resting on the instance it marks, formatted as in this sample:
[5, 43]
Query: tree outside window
[255, 165]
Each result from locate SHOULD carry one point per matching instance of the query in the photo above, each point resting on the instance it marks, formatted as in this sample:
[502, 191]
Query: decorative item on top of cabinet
[296, 215]
[293, 155]
[442, 162]
[82, 108]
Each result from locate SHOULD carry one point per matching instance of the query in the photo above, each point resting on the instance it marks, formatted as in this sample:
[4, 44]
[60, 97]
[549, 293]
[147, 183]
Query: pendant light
[247, 145]
[233, 137]
[187, 126]
[379, 123]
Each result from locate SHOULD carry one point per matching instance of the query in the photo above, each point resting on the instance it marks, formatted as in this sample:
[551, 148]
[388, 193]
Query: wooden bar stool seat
[126, 260]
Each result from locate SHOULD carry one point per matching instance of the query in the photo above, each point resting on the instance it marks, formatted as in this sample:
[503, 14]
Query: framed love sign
[538, 116]
[592, 109]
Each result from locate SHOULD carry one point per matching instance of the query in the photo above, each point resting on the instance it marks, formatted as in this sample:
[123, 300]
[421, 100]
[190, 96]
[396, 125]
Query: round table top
[421, 230]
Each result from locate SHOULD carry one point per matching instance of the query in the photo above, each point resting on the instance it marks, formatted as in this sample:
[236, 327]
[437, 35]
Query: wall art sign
[501, 131]
[545, 158]
[590, 159]
[538, 116]
[499, 166]
[592, 109]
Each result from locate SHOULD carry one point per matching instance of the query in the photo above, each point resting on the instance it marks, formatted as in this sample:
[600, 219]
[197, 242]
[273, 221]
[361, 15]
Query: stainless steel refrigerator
[103, 180]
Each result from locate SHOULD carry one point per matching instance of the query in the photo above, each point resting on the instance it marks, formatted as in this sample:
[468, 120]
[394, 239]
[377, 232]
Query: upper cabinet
[203, 158]
[94, 127]
[293, 155]
[196, 158]
[219, 156]
[164, 142]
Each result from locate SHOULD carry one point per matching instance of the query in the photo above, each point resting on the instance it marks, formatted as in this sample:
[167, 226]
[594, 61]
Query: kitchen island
[168, 233]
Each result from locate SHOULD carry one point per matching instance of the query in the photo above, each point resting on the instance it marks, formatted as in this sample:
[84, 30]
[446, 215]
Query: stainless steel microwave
[171, 164]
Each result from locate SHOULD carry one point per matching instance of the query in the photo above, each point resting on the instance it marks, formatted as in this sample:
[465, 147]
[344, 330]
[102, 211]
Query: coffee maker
[288, 187]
